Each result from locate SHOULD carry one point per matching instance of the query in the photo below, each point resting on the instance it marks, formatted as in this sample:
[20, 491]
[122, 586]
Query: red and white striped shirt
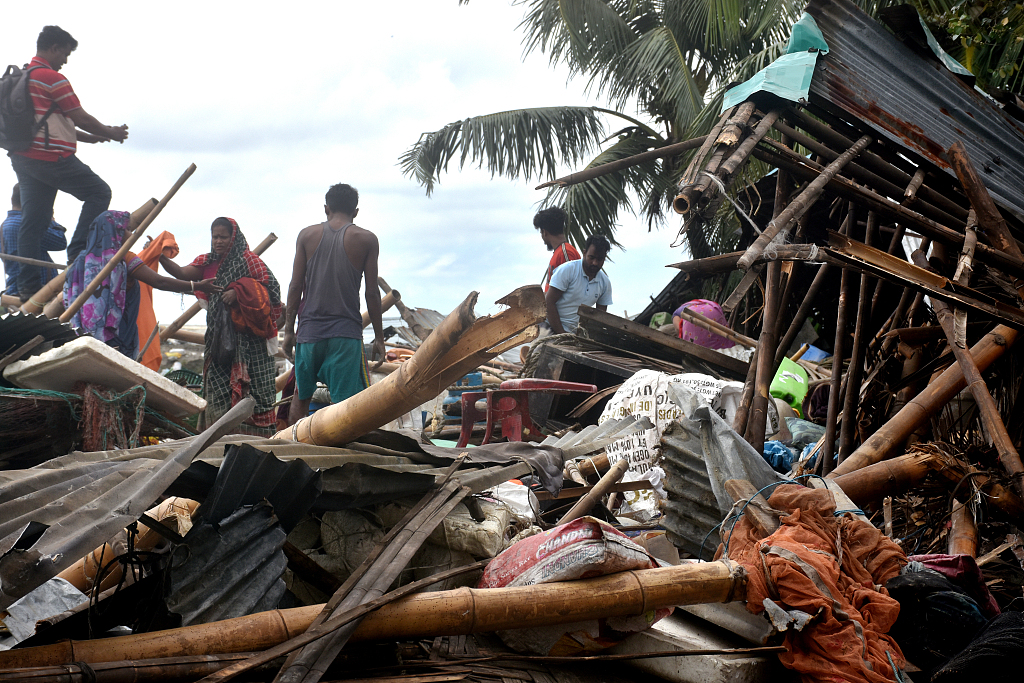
[47, 88]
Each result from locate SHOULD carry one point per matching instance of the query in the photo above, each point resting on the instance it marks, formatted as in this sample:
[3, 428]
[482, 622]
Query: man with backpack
[46, 161]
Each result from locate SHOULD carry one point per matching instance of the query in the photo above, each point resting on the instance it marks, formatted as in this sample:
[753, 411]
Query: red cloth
[253, 310]
[48, 87]
[164, 243]
[563, 254]
[800, 567]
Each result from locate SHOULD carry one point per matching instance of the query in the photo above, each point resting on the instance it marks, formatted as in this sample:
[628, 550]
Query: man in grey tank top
[331, 258]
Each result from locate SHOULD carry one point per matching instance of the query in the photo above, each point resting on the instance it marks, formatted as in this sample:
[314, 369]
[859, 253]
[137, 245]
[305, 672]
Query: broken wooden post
[587, 502]
[129, 240]
[800, 204]
[182, 320]
[426, 615]
[55, 287]
[766, 346]
[889, 438]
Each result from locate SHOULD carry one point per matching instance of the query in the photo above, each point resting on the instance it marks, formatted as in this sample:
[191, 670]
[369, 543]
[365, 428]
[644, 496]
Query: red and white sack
[581, 549]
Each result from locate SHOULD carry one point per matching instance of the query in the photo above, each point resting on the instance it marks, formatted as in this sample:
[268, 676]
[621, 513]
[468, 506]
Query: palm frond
[523, 143]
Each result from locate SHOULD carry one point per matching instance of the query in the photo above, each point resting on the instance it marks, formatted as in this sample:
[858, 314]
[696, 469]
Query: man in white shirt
[579, 283]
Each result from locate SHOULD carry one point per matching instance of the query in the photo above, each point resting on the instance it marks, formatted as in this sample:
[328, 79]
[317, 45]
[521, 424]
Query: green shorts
[337, 362]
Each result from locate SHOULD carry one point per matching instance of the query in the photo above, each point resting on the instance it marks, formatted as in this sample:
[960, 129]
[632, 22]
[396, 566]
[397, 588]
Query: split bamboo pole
[425, 615]
[182, 320]
[54, 287]
[800, 204]
[129, 241]
[889, 438]
[585, 504]
[691, 171]
[993, 424]
[456, 346]
[993, 224]
[886, 478]
[963, 532]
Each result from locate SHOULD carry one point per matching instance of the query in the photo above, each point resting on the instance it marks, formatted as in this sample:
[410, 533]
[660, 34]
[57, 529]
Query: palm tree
[670, 58]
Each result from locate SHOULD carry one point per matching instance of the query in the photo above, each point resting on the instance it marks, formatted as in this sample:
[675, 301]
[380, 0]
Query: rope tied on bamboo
[721, 188]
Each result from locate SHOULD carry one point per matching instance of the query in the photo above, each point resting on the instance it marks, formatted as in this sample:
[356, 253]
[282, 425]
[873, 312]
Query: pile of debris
[834, 492]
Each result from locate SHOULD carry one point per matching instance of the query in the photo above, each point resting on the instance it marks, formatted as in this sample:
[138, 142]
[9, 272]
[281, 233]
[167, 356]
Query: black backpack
[18, 126]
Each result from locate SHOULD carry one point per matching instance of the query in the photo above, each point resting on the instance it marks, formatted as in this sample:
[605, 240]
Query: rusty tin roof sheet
[914, 102]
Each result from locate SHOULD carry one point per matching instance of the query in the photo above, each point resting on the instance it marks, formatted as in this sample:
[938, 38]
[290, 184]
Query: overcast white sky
[275, 104]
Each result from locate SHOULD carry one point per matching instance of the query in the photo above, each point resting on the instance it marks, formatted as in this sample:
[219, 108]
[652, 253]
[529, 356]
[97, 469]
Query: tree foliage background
[663, 65]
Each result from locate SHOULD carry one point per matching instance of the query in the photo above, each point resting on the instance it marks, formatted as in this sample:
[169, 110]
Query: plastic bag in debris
[51, 598]
[725, 453]
[583, 548]
[518, 497]
[647, 394]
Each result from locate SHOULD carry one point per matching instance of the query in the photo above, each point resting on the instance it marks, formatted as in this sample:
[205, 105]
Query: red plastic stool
[509, 404]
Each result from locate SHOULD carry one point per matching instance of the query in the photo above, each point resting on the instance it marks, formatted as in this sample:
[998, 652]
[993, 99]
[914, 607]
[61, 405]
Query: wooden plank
[604, 326]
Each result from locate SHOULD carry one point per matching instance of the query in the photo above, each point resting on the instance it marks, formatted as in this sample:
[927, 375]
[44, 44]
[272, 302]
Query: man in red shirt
[50, 164]
[551, 223]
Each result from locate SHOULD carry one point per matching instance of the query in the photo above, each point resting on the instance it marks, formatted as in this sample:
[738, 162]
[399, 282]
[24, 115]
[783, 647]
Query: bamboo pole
[54, 287]
[886, 478]
[847, 189]
[742, 416]
[691, 192]
[386, 302]
[963, 532]
[993, 224]
[182, 320]
[835, 383]
[717, 328]
[800, 204]
[426, 615]
[876, 163]
[32, 261]
[129, 241]
[802, 312]
[456, 346]
[856, 372]
[585, 504]
[766, 347]
[628, 162]
[870, 178]
[993, 424]
[889, 437]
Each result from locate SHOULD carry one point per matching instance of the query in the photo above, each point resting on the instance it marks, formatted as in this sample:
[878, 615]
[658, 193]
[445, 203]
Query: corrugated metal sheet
[691, 510]
[914, 102]
[229, 569]
[248, 476]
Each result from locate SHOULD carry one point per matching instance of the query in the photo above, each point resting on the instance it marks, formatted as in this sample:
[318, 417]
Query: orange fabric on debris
[163, 243]
[799, 568]
[253, 311]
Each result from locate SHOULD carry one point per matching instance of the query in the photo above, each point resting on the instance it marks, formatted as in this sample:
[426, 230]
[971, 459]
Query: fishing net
[110, 419]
